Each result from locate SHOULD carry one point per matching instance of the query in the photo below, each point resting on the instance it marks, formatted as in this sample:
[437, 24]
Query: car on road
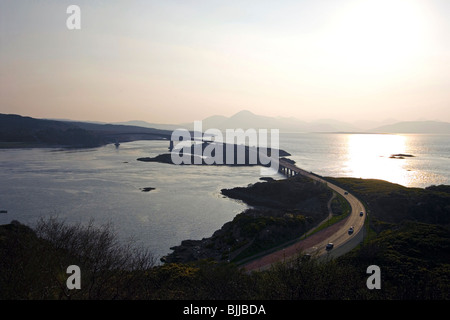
[329, 246]
[350, 231]
[345, 192]
[361, 213]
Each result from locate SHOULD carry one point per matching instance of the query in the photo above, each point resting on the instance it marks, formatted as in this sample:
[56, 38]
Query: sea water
[106, 184]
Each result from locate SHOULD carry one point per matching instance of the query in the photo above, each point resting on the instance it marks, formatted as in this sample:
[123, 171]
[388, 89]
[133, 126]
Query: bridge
[338, 234]
[287, 168]
[316, 244]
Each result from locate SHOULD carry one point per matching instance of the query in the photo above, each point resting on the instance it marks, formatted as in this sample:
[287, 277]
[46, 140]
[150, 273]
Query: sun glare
[379, 36]
[369, 157]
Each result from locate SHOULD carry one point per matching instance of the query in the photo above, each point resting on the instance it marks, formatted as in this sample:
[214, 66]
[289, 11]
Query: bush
[34, 263]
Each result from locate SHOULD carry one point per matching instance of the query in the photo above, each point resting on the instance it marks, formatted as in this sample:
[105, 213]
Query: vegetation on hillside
[393, 203]
[284, 210]
[33, 263]
[27, 131]
[297, 192]
[411, 246]
[17, 131]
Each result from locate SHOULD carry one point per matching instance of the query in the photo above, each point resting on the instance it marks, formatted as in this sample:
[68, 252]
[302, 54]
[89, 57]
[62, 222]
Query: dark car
[361, 214]
[329, 246]
[350, 231]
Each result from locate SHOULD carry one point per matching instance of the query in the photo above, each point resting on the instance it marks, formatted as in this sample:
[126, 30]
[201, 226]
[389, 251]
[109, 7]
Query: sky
[176, 61]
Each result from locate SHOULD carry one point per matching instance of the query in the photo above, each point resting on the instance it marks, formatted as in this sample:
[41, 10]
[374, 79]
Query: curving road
[316, 244]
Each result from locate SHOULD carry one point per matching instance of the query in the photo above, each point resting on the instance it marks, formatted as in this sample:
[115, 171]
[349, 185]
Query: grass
[345, 209]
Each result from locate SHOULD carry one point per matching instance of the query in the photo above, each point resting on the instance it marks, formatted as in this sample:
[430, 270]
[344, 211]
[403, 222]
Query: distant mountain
[331, 125]
[214, 121]
[367, 124]
[26, 131]
[16, 130]
[144, 124]
[432, 127]
[246, 120]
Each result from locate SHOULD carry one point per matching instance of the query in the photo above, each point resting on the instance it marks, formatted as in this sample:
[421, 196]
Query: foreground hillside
[410, 245]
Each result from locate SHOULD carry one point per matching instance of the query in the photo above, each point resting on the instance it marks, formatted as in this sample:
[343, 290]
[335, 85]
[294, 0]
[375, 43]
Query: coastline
[390, 205]
[277, 216]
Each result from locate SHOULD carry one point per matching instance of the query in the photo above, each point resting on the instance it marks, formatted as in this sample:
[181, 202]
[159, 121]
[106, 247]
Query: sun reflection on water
[369, 157]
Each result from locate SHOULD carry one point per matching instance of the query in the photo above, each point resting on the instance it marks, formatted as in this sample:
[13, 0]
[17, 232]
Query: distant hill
[117, 129]
[246, 120]
[215, 121]
[435, 127]
[145, 124]
[16, 131]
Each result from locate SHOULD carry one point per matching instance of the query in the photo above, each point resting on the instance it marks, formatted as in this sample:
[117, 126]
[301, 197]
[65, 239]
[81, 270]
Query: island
[251, 156]
[401, 156]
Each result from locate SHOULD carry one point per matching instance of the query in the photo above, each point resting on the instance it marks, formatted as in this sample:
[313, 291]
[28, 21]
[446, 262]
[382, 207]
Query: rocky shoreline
[282, 211]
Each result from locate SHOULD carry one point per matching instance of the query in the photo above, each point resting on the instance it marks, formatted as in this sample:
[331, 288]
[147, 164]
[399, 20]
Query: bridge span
[316, 244]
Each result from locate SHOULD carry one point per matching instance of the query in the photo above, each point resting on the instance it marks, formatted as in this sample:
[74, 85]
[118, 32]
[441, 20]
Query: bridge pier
[288, 172]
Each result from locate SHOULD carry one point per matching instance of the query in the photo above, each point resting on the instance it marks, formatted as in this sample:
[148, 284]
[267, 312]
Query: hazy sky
[176, 61]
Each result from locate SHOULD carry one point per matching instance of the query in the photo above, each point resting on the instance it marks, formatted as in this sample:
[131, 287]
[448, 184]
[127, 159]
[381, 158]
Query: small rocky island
[401, 156]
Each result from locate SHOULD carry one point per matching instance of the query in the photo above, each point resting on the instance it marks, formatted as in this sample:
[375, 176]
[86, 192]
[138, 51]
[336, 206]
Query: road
[316, 244]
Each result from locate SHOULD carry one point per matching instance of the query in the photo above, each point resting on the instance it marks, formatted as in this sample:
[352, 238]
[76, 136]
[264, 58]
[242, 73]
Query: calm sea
[104, 184]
